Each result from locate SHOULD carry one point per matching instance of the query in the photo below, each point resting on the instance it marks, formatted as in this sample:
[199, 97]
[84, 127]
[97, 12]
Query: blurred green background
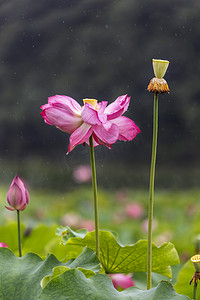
[99, 49]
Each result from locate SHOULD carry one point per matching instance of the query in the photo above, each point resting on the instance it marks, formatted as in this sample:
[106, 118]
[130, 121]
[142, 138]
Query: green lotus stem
[195, 291]
[151, 189]
[19, 233]
[94, 183]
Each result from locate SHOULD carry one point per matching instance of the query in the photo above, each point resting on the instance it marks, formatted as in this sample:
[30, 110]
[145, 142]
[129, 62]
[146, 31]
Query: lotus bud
[158, 84]
[18, 196]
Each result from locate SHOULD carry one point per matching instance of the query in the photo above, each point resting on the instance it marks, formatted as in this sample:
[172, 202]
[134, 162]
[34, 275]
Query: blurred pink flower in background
[145, 225]
[134, 210]
[165, 236]
[122, 280]
[18, 196]
[76, 222]
[71, 220]
[82, 174]
[3, 245]
[87, 224]
[105, 123]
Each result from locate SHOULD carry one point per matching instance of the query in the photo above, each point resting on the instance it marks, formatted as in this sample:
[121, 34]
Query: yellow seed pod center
[195, 258]
[196, 262]
[93, 102]
[160, 67]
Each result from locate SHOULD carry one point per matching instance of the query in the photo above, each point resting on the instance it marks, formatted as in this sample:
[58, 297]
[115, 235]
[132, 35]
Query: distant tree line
[100, 49]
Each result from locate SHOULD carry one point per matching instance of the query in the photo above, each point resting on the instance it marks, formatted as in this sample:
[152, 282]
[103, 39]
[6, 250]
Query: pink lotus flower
[122, 280]
[105, 123]
[18, 196]
[3, 245]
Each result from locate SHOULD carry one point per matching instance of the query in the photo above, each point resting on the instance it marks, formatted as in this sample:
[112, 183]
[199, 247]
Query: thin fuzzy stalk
[195, 291]
[19, 233]
[151, 189]
[94, 183]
